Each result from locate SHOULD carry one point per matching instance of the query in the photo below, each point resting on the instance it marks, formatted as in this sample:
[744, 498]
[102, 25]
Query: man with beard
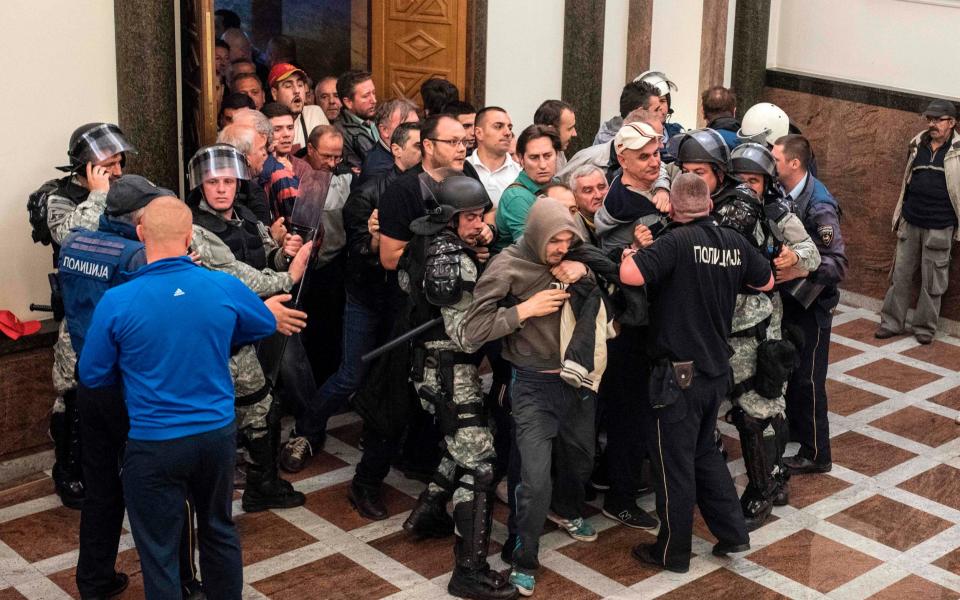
[359, 98]
[552, 418]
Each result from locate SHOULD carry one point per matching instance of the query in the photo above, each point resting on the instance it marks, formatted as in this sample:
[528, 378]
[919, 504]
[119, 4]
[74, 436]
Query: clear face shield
[306, 217]
[220, 160]
[98, 144]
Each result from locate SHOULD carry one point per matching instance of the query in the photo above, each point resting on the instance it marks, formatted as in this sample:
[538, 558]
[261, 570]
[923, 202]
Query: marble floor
[884, 523]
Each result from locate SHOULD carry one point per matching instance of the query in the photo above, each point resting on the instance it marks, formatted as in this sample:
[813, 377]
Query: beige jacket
[951, 165]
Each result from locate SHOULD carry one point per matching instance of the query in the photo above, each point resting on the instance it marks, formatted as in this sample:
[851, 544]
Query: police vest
[92, 262]
[243, 239]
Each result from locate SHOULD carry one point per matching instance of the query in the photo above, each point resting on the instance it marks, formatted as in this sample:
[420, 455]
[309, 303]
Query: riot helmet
[454, 195]
[217, 160]
[751, 157]
[95, 142]
[703, 146]
[658, 80]
[764, 123]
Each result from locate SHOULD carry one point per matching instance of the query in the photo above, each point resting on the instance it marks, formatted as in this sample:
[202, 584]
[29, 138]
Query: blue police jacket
[820, 214]
[92, 262]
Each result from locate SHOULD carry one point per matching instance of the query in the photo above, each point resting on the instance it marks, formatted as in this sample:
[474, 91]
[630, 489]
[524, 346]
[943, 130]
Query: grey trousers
[553, 422]
[930, 250]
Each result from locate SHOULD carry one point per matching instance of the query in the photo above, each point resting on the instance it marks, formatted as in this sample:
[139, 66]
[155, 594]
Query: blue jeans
[364, 329]
[158, 478]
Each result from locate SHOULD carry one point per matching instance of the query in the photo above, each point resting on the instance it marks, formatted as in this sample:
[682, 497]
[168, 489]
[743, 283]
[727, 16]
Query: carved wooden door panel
[199, 83]
[414, 40]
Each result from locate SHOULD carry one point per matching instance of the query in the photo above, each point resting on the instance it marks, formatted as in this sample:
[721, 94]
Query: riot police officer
[438, 270]
[96, 154]
[228, 237]
[763, 359]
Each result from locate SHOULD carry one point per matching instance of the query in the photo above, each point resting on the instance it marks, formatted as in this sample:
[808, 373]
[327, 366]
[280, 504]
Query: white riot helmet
[764, 123]
[658, 80]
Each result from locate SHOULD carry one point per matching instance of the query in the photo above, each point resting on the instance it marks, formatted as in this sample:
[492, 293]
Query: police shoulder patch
[826, 234]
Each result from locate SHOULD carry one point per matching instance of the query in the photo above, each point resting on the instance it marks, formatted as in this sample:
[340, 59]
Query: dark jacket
[253, 197]
[357, 138]
[727, 127]
[378, 161]
[366, 281]
[629, 302]
[820, 214]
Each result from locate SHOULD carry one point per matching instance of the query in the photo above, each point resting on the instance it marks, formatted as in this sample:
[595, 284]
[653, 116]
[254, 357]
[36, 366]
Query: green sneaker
[579, 529]
[523, 582]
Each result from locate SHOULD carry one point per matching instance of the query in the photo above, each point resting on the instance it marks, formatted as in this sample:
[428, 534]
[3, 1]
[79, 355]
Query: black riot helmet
[704, 146]
[454, 195]
[95, 142]
[753, 158]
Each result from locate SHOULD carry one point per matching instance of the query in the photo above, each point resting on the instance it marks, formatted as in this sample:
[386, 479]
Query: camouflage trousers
[248, 378]
[64, 362]
[750, 310]
[469, 450]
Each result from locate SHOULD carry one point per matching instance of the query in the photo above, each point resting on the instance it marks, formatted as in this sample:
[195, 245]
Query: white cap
[634, 136]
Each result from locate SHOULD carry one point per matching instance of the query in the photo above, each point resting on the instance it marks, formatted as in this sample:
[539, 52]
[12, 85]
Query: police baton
[401, 339]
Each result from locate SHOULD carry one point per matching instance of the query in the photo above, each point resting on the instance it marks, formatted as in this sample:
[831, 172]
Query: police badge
[826, 234]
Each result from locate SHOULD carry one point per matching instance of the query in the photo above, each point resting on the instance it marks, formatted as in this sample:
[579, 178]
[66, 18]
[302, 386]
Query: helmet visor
[100, 143]
[753, 158]
[216, 161]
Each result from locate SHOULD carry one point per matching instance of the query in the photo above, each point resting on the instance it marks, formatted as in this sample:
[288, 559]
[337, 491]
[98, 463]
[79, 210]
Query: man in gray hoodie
[516, 299]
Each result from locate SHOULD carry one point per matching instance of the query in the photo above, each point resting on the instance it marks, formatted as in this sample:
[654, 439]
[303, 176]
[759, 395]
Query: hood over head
[547, 218]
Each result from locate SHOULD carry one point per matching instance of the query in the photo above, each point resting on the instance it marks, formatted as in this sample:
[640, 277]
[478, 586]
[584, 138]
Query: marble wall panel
[26, 395]
[861, 153]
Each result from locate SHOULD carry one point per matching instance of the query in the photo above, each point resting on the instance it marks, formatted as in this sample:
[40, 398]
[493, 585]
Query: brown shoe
[295, 453]
[924, 338]
[883, 334]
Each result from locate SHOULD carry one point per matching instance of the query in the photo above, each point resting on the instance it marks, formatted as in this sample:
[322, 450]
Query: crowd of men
[617, 298]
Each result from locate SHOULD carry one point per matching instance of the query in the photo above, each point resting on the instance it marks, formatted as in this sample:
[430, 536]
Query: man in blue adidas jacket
[166, 335]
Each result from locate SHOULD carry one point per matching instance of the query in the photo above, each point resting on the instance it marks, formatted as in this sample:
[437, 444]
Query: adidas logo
[179, 292]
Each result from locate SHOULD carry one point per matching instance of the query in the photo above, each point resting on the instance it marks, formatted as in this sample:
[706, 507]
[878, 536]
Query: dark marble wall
[26, 395]
[750, 32]
[583, 66]
[146, 88]
[861, 151]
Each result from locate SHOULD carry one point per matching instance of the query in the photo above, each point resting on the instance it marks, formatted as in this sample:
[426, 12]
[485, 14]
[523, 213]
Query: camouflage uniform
[759, 419]
[469, 448]
[245, 368]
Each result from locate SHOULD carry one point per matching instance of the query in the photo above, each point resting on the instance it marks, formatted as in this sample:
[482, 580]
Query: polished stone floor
[885, 523]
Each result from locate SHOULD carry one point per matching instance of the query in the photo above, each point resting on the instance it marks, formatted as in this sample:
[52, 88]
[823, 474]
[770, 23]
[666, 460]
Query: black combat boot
[67, 470]
[265, 489]
[472, 576]
[757, 499]
[429, 518]
[781, 474]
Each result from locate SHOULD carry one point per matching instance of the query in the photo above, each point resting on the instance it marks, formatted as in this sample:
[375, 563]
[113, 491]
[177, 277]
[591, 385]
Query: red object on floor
[14, 327]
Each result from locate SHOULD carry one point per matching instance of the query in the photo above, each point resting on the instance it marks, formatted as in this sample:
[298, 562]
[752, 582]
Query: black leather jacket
[366, 280]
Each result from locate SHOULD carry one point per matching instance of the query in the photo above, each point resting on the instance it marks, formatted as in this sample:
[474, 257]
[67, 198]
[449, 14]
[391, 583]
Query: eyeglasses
[455, 143]
[937, 119]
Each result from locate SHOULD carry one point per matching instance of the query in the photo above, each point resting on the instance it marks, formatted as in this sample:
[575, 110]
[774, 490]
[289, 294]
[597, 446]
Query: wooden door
[198, 75]
[414, 40]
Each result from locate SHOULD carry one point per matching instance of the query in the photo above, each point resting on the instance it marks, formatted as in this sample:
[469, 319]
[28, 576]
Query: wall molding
[851, 91]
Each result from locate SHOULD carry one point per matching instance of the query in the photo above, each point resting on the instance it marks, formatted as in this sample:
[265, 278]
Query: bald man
[166, 334]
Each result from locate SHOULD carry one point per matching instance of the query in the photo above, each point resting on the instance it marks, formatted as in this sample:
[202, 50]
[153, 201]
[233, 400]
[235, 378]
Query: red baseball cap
[281, 71]
[14, 327]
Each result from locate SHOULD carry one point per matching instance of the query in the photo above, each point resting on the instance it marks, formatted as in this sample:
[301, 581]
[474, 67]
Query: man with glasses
[925, 220]
[325, 148]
